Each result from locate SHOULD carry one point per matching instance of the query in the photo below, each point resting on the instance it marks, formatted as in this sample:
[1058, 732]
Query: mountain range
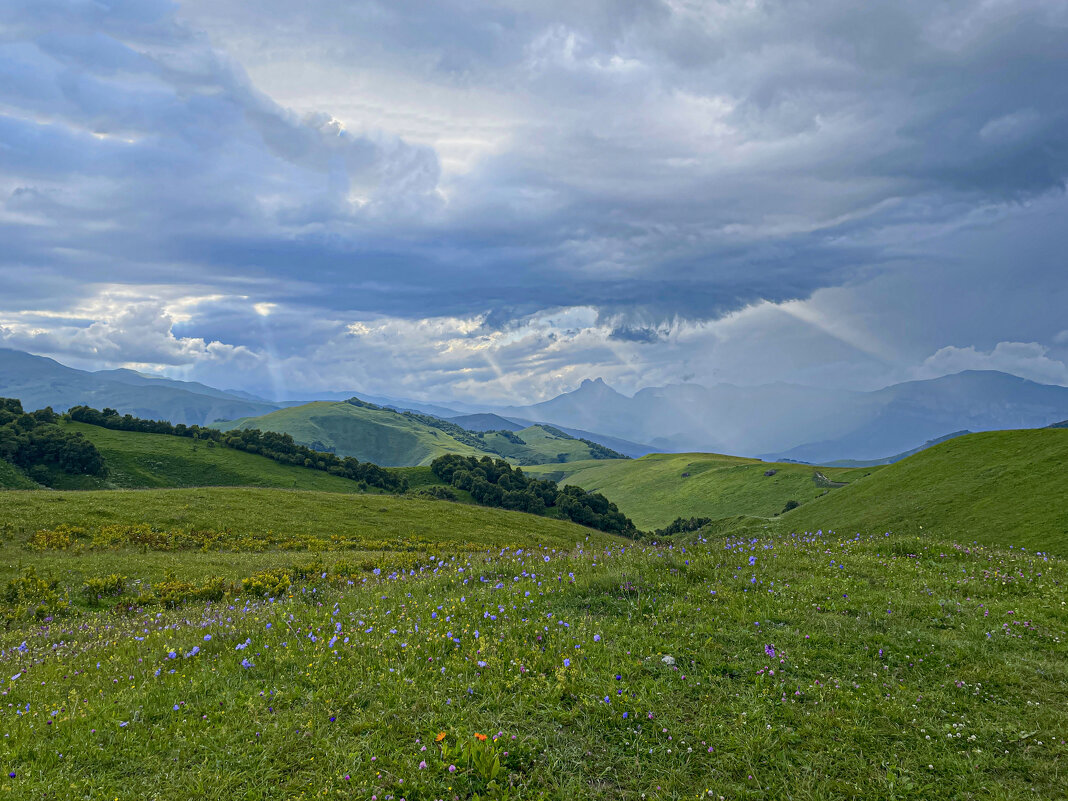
[792, 422]
[777, 421]
[38, 382]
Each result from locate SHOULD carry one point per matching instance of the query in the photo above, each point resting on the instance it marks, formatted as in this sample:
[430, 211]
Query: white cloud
[1025, 359]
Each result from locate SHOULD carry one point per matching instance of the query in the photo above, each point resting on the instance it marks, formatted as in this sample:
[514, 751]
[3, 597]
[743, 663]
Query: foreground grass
[800, 667]
[655, 489]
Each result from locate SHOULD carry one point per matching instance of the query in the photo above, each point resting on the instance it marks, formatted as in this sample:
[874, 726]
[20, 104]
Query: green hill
[142, 461]
[367, 432]
[542, 444]
[657, 488]
[1004, 487]
[390, 438]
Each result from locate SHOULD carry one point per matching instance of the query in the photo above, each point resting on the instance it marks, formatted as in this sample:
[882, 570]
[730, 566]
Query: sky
[491, 201]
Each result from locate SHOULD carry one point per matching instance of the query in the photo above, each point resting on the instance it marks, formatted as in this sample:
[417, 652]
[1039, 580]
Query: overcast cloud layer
[492, 201]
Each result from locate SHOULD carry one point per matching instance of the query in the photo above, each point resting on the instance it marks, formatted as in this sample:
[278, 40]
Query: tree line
[34, 443]
[494, 482]
[275, 446]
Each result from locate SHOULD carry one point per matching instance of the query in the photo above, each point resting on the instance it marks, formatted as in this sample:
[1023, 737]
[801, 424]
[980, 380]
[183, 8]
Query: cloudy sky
[494, 200]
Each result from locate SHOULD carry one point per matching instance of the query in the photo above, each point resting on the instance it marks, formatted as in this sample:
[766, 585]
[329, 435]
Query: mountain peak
[592, 382]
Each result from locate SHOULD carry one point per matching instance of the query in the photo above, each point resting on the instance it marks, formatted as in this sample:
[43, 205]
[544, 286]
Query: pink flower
[422, 765]
[452, 768]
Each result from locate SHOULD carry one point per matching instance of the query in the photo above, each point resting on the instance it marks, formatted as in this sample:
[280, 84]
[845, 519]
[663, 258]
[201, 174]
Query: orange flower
[440, 737]
[480, 737]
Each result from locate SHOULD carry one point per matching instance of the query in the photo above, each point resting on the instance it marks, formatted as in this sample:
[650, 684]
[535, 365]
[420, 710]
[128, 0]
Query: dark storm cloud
[651, 161]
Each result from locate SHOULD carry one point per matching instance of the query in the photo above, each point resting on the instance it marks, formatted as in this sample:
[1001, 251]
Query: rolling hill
[367, 432]
[390, 438]
[1003, 487]
[657, 488]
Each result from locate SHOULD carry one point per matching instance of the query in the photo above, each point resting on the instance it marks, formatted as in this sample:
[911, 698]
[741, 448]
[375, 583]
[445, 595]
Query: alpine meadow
[482, 401]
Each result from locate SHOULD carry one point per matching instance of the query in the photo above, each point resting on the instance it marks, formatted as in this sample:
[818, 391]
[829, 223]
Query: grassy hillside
[997, 486]
[538, 444]
[368, 433]
[13, 478]
[657, 488]
[142, 461]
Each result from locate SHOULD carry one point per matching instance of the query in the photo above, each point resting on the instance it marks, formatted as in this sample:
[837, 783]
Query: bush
[29, 595]
[790, 505]
[174, 592]
[104, 587]
[267, 583]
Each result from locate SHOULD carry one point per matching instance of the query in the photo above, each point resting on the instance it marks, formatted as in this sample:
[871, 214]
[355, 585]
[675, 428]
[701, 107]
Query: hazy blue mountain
[38, 382]
[978, 400]
[787, 421]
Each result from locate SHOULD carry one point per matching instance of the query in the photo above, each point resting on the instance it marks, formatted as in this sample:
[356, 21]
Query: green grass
[137, 461]
[653, 491]
[903, 668]
[379, 522]
[369, 434]
[13, 478]
[540, 446]
[998, 486]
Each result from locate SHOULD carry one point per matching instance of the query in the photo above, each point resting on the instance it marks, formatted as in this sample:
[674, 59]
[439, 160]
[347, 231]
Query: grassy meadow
[803, 667]
[265, 642]
[655, 489]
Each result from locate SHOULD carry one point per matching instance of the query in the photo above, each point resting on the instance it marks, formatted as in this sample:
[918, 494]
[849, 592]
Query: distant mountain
[1062, 424]
[38, 382]
[785, 421]
[979, 400]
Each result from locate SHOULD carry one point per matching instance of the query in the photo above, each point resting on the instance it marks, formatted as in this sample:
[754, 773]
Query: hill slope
[142, 461]
[657, 488]
[391, 438]
[996, 486]
[367, 432]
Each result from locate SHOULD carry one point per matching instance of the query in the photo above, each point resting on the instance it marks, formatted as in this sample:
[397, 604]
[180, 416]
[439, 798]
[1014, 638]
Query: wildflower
[596, 637]
[422, 765]
[452, 768]
[207, 638]
[440, 737]
[567, 663]
[480, 737]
